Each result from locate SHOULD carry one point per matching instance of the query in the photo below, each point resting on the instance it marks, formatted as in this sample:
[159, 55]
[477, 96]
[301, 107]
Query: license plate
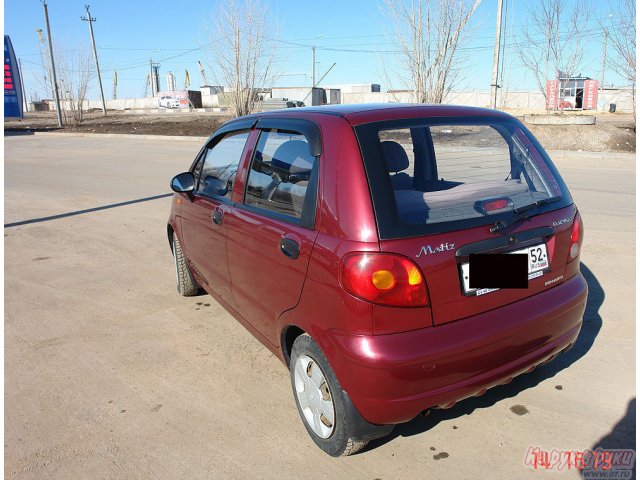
[538, 264]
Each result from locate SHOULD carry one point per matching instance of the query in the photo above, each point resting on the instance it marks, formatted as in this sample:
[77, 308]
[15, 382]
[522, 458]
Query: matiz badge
[562, 222]
[442, 248]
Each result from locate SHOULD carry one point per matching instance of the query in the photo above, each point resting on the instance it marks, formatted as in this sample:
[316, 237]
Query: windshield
[446, 171]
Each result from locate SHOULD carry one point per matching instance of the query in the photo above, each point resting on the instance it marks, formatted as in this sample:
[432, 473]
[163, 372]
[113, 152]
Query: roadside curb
[179, 138]
[585, 154]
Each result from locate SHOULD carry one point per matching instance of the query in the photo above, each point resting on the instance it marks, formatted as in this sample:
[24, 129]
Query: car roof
[358, 114]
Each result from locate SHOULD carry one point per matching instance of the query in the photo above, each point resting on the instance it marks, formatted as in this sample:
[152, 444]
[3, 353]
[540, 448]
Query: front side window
[280, 174]
[438, 174]
[216, 171]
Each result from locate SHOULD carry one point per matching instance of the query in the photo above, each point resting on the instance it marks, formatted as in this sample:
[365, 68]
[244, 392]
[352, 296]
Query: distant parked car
[168, 102]
[348, 240]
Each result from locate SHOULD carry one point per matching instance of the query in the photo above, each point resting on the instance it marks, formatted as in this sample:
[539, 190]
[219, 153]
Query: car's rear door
[203, 223]
[484, 187]
[271, 231]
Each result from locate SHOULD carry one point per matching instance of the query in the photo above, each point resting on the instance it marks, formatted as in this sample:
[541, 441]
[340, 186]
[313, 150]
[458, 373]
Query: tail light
[577, 233]
[383, 278]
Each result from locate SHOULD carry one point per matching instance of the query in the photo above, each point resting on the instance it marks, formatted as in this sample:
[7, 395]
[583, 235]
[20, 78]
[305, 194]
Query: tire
[186, 285]
[334, 434]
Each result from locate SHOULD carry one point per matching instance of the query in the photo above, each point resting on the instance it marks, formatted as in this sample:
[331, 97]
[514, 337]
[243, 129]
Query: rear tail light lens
[384, 279]
[577, 233]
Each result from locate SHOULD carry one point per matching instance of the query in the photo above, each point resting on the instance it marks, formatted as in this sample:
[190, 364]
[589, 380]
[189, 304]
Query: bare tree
[427, 35]
[75, 71]
[554, 41]
[242, 51]
[623, 40]
[44, 81]
[74, 74]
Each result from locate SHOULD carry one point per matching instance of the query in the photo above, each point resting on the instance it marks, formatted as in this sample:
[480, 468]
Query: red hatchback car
[345, 237]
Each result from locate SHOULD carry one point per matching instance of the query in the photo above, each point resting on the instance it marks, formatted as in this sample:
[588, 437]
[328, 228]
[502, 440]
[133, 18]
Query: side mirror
[183, 182]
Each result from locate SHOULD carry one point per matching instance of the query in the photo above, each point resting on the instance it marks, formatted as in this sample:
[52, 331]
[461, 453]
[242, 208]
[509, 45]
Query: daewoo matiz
[344, 239]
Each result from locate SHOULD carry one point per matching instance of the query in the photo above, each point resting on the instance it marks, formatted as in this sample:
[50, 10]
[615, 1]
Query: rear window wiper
[520, 213]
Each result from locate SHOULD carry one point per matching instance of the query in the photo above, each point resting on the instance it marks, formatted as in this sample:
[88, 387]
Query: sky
[349, 33]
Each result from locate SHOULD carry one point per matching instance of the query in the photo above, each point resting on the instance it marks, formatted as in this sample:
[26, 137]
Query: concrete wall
[527, 100]
[210, 100]
[516, 100]
[211, 89]
[622, 98]
[355, 87]
[376, 97]
[300, 94]
[116, 104]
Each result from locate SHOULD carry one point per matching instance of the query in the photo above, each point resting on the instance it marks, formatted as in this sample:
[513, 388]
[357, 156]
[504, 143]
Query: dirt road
[110, 374]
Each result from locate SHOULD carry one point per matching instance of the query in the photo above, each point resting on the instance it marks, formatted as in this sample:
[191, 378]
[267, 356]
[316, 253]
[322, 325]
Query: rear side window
[445, 175]
[217, 169]
[280, 175]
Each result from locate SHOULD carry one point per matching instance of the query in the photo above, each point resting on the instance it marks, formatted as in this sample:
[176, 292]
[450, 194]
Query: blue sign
[12, 84]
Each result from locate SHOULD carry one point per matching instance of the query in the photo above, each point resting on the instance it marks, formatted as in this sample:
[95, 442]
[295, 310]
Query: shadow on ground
[14, 131]
[86, 210]
[588, 333]
[621, 436]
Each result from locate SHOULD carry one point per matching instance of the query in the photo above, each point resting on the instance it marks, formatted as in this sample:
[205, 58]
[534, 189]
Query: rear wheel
[321, 404]
[185, 283]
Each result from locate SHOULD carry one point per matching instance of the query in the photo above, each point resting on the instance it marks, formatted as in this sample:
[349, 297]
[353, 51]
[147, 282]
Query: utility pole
[53, 65]
[496, 58]
[154, 77]
[321, 78]
[153, 94]
[90, 19]
[604, 63]
[24, 94]
[313, 75]
[115, 84]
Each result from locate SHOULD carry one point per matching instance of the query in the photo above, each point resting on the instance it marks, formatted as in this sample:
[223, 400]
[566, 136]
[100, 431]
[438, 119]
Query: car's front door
[203, 217]
[271, 232]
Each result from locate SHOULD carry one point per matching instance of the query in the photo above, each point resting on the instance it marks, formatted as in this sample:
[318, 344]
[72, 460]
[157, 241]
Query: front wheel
[327, 413]
[185, 283]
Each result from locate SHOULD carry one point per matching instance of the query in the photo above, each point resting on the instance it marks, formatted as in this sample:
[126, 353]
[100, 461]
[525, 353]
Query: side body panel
[205, 243]
[265, 282]
[345, 223]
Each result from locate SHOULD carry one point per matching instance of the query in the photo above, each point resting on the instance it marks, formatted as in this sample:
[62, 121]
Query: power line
[144, 62]
[297, 47]
[331, 48]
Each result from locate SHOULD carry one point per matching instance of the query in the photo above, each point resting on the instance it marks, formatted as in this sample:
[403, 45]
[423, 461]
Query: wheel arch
[170, 234]
[288, 335]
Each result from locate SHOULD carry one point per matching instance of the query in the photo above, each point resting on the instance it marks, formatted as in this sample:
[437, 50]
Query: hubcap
[314, 396]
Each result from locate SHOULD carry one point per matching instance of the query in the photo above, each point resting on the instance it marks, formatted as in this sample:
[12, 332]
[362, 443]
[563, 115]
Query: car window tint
[471, 166]
[280, 173]
[220, 165]
[470, 153]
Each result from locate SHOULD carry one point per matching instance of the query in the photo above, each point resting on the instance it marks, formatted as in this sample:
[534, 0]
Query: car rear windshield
[451, 173]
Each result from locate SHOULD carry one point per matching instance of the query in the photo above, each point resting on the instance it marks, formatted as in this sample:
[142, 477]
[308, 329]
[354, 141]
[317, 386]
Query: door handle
[290, 248]
[217, 217]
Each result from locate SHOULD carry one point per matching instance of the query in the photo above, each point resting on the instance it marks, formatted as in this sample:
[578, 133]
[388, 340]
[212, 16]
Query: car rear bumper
[393, 378]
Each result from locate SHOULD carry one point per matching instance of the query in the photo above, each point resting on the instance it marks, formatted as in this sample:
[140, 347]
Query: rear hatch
[449, 187]
[442, 259]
